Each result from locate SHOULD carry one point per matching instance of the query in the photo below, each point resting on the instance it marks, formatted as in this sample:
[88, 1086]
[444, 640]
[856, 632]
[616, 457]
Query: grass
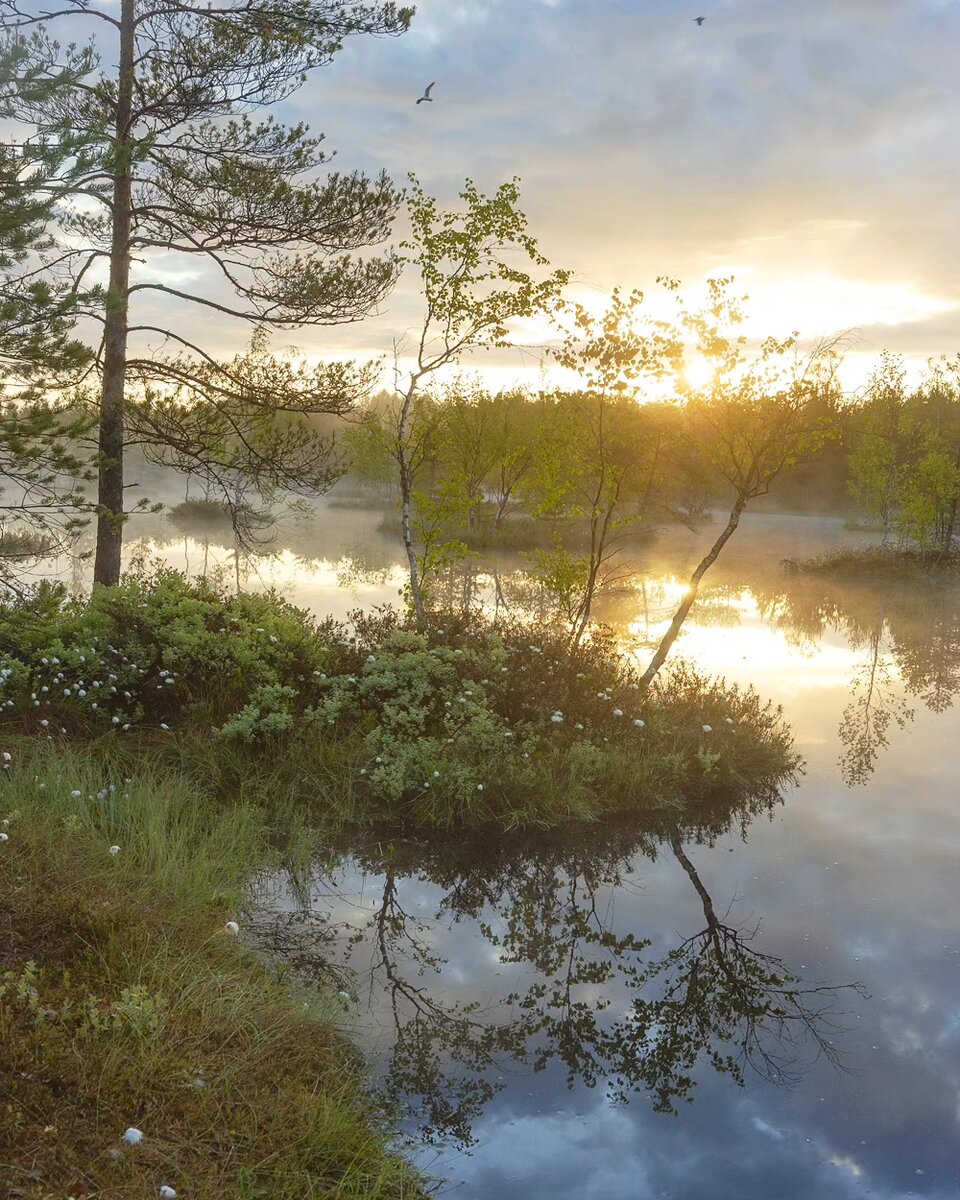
[876, 563]
[124, 1002]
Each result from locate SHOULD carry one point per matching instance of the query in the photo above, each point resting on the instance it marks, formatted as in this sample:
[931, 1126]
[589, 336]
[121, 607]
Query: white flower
[618, 712]
[578, 726]
[728, 720]
[163, 725]
[115, 720]
[557, 718]
[4, 837]
[114, 850]
[125, 728]
[167, 1192]
[708, 729]
[272, 639]
[436, 774]
[133, 1136]
[232, 928]
[6, 756]
[639, 724]
[479, 787]
[363, 770]
[75, 795]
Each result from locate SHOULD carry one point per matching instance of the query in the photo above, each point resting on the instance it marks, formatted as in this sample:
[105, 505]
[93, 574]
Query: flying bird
[426, 94]
[697, 21]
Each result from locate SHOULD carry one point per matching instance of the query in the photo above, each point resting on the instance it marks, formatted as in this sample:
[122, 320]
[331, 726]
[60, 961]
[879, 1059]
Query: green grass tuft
[123, 1002]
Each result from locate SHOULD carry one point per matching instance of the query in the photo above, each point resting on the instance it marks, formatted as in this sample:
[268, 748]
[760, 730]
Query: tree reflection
[567, 985]
[909, 641]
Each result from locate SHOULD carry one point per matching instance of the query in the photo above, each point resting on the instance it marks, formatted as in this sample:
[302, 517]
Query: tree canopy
[169, 158]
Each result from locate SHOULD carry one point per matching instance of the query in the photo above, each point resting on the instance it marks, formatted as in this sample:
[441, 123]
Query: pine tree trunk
[687, 603]
[110, 493]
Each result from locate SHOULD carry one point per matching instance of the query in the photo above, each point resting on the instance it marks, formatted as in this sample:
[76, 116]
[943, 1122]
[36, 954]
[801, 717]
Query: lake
[765, 1004]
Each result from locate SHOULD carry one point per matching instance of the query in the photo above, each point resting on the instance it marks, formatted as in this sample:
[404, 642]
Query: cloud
[817, 137]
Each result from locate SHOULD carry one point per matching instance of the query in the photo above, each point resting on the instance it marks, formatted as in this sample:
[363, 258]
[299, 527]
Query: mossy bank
[125, 1002]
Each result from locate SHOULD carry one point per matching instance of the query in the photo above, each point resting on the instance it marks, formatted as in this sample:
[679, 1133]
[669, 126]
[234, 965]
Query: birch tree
[472, 287]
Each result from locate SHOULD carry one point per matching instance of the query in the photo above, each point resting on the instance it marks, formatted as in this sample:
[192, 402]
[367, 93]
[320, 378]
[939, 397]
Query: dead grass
[125, 1003]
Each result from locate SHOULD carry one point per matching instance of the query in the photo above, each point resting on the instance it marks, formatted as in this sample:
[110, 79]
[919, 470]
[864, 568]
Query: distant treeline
[891, 458]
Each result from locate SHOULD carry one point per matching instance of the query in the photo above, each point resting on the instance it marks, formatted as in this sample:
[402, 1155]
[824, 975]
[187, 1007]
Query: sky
[809, 150]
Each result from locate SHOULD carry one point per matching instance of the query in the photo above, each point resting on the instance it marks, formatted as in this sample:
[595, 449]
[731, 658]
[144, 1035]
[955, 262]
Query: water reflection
[850, 885]
[899, 643]
[907, 642]
[573, 980]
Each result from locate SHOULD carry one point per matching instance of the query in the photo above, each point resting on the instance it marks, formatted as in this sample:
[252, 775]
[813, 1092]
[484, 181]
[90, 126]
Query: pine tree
[42, 502]
[171, 156]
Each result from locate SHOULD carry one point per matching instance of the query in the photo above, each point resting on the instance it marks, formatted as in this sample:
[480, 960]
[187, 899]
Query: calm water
[622, 1013]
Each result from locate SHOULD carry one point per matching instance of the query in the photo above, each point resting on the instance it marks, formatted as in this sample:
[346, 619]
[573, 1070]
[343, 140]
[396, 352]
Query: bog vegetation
[125, 1003]
[227, 712]
[461, 725]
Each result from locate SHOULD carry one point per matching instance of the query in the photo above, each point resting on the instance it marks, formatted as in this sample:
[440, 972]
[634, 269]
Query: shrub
[153, 651]
[465, 724]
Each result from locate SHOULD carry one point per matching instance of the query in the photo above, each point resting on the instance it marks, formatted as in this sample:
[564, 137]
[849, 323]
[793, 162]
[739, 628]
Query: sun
[699, 373]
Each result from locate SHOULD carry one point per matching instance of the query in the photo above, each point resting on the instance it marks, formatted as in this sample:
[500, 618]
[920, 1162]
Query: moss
[124, 1002]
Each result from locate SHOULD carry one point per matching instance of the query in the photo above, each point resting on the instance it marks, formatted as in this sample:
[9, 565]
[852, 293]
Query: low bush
[876, 563]
[158, 649]
[464, 724]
